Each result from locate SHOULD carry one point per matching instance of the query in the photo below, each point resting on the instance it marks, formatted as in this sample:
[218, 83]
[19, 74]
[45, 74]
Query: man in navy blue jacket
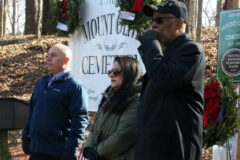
[58, 111]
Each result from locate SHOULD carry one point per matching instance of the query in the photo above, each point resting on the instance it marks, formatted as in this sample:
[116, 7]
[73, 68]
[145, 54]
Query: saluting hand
[148, 34]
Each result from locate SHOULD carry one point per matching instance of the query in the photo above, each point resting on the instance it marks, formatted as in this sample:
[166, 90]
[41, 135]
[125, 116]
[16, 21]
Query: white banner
[94, 45]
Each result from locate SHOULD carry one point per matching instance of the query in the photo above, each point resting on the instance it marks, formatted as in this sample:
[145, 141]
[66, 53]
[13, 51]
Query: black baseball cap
[174, 7]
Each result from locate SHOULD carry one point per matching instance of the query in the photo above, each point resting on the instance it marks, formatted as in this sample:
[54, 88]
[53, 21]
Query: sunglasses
[115, 71]
[159, 20]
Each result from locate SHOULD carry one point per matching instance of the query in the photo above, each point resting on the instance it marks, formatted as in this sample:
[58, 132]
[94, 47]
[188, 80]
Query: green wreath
[220, 117]
[67, 13]
[141, 22]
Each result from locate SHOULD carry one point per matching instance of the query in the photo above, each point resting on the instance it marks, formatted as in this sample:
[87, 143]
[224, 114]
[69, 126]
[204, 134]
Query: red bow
[211, 92]
[63, 9]
[138, 5]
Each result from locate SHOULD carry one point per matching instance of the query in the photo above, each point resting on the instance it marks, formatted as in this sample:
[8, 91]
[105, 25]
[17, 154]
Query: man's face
[55, 60]
[166, 27]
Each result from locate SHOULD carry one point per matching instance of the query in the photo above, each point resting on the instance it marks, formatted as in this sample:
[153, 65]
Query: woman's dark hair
[131, 73]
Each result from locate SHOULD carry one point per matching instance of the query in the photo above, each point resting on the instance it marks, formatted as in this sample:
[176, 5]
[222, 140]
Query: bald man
[58, 111]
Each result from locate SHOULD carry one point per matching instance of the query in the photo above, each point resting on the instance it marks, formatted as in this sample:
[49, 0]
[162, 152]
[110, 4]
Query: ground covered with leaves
[23, 63]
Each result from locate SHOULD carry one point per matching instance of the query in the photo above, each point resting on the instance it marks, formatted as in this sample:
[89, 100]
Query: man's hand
[25, 145]
[146, 35]
[67, 155]
[91, 154]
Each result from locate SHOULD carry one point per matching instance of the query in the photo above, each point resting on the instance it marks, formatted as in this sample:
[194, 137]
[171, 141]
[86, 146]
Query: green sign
[229, 45]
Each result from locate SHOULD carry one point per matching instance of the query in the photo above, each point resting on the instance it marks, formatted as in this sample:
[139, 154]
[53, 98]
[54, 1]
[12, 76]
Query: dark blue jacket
[58, 116]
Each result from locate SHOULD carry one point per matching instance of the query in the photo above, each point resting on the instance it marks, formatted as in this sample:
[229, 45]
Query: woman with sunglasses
[113, 133]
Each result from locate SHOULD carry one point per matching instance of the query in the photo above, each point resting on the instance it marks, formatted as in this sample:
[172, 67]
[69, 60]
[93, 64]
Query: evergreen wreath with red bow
[220, 112]
[141, 22]
[66, 12]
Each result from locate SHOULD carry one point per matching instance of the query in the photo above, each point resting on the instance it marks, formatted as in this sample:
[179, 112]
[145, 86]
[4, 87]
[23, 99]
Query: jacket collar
[64, 77]
[58, 75]
[180, 39]
[109, 92]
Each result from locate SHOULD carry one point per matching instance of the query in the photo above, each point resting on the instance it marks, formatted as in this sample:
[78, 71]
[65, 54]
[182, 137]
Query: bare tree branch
[199, 20]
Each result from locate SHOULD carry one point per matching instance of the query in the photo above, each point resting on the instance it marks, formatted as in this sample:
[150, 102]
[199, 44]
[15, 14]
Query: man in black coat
[170, 116]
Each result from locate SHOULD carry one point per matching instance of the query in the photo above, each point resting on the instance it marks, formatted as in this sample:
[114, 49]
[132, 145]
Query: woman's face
[116, 76]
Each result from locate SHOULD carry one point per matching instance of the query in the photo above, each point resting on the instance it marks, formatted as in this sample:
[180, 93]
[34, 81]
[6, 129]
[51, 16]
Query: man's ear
[180, 23]
[66, 60]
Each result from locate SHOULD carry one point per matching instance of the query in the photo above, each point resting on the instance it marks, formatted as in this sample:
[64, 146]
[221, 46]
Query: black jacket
[171, 105]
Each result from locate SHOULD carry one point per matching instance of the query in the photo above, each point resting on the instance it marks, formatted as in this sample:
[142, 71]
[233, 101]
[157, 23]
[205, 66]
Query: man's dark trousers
[38, 156]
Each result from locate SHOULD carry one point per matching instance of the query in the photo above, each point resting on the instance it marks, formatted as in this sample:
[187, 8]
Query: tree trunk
[199, 20]
[19, 14]
[5, 8]
[227, 5]
[192, 18]
[219, 8]
[1, 18]
[46, 17]
[236, 3]
[38, 17]
[231, 4]
[31, 15]
[14, 17]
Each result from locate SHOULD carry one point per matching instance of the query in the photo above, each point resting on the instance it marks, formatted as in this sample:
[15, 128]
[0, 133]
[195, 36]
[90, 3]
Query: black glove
[91, 154]
[25, 145]
[68, 155]
[146, 35]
